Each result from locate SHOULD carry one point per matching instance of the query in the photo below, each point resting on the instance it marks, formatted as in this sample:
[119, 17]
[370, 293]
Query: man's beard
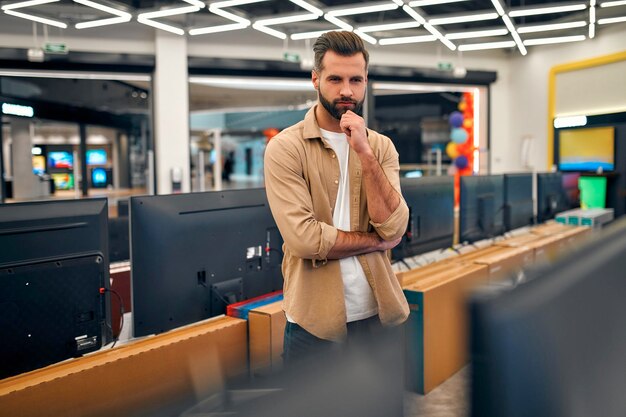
[337, 112]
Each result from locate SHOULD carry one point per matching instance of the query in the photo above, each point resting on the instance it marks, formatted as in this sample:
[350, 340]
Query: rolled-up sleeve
[395, 225]
[291, 204]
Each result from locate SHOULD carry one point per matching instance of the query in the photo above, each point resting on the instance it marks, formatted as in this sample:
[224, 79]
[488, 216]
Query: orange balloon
[462, 106]
[468, 123]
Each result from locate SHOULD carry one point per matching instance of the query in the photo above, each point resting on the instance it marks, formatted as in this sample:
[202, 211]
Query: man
[334, 190]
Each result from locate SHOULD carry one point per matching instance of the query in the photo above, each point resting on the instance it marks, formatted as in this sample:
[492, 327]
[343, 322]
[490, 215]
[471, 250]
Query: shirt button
[336, 181]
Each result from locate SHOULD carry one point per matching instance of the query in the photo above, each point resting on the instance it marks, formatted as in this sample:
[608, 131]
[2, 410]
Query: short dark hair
[342, 43]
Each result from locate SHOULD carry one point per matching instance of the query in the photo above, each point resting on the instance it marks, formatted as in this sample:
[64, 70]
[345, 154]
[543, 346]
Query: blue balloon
[461, 162]
[458, 135]
[456, 119]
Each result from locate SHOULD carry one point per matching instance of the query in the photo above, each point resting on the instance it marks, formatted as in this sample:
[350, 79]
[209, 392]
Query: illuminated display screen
[587, 149]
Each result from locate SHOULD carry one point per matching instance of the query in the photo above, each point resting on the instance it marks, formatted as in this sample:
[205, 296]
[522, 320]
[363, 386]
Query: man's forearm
[358, 243]
[382, 199]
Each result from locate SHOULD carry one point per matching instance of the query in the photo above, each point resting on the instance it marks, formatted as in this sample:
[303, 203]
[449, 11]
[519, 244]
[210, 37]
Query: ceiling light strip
[309, 7]
[555, 26]
[308, 35]
[415, 15]
[422, 3]
[76, 75]
[390, 26]
[549, 41]
[29, 3]
[338, 22]
[488, 45]
[38, 19]
[103, 22]
[463, 19]
[477, 34]
[367, 38]
[364, 9]
[518, 41]
[269, 31]
[169, 12]
[592, 19]
[228, 15]
[547, 10]
[217, 29]
[498, 6]
[233, 3]
[407, 39]
[162, 26]
[418, 17]
[612, 20]
[613, 3]
[286, 19]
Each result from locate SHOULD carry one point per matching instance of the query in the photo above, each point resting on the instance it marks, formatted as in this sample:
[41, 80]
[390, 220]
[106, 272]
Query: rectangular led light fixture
[272, 32]
[168, 12]
[103, 22]
[29, 3]
[286, 19]
[477, 34]
[498, 6]
[367, 38]
[217, 29]
[547, 10]
[232, 3]
[364, 9]
[338, 22]
[414, 14]
[308, 35]
[612, 20]
[548, 41]
[407, 39]
[487, 45]
[309, 7]
[555, 26]
[613, 3]
[389, 26]
[592, 31]
[17, 110]
[463, 19]
[37, 19]
[569, 121]
[422, 3]
[162, 26]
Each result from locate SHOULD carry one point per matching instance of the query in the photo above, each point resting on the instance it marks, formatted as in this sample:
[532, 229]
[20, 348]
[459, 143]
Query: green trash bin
[592, 192]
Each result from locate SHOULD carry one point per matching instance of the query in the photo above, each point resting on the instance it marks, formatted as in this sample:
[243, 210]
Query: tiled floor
[450, 399]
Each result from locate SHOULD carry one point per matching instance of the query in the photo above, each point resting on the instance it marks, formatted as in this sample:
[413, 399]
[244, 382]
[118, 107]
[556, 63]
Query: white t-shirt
[360, 301]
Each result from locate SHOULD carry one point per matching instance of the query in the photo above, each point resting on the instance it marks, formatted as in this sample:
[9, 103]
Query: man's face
[341, 84]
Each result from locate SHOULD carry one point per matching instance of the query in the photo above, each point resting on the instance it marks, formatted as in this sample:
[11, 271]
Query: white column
[171, 110]
[26, 185]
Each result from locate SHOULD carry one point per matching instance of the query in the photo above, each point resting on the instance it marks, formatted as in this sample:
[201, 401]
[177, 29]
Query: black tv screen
[481, 212]
[192, 254]
[518, 201]
[551, 196]
[431, 215]
[536, 352]
[53, 264]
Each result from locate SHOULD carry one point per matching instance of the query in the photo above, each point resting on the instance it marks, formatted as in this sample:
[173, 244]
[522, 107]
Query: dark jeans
[364, 374]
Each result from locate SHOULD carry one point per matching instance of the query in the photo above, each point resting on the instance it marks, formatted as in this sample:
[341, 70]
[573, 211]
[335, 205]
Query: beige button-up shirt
[301, 180]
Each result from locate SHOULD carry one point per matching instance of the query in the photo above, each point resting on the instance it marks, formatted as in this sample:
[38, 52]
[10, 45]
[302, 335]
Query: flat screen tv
[518, 201]
[551, 196]
[193, 254]
[536, 352]
[63, 181]
[60, 160]
[96, 157]
[481, 211]
[431, 215]
[586, 149]
[54, 273]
